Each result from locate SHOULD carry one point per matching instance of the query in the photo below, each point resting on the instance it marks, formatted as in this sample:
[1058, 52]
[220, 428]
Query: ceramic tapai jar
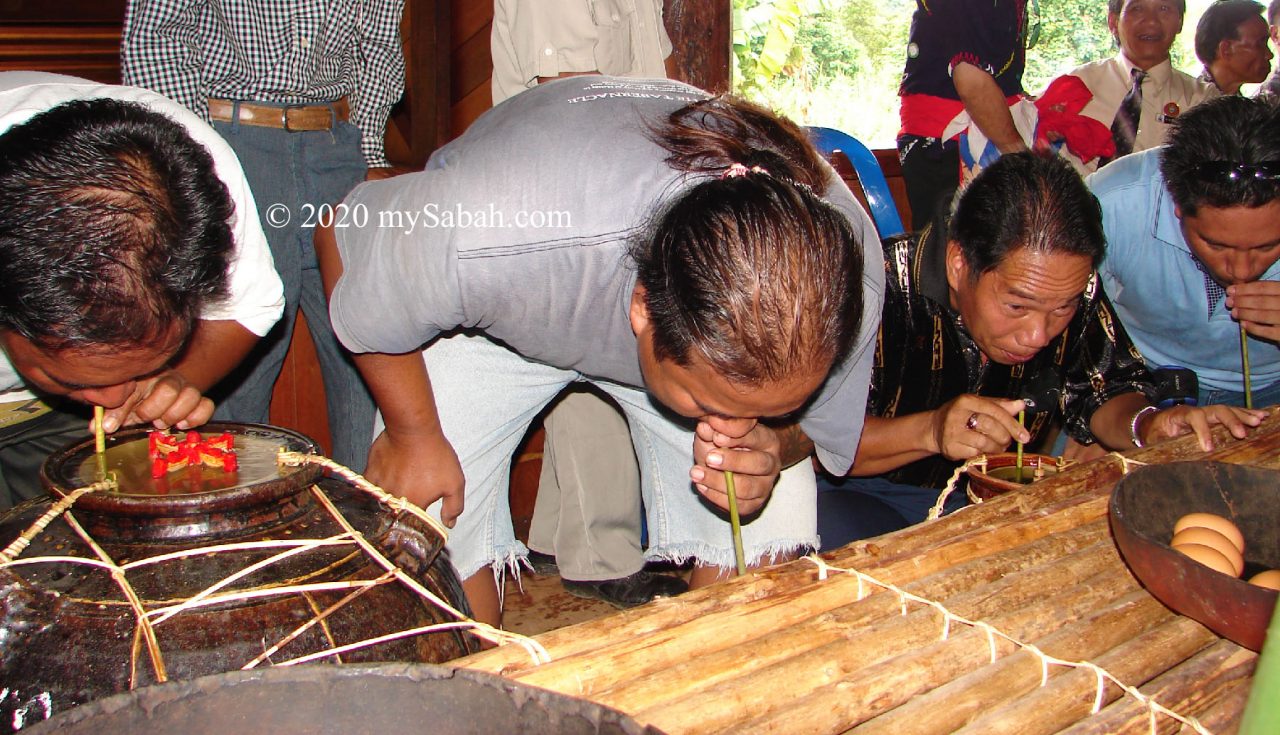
[202, 570]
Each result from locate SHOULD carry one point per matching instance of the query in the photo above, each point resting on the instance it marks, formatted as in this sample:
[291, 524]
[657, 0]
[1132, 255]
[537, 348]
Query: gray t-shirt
[520, 229]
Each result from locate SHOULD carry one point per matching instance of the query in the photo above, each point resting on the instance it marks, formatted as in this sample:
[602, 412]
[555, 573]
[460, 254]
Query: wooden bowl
[1146, 504]
[998, 477]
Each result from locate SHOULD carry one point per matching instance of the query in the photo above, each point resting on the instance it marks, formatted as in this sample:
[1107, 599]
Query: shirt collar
[1167, 228]
[930, 265]
[1212, 289]
[1160, 74]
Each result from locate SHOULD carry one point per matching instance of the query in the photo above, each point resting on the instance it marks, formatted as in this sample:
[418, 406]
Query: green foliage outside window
[838, 62]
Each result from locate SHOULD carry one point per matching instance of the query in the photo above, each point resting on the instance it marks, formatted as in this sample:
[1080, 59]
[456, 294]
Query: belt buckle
[284, 119]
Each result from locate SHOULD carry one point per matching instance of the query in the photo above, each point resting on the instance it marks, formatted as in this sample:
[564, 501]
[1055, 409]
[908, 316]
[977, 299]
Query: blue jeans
[487, 396]
[853, 508]
[1262, 397]
[301, 171]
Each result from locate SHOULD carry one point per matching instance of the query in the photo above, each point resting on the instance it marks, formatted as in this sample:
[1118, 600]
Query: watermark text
[431, 216]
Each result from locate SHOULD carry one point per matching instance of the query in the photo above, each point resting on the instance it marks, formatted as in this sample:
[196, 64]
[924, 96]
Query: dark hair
[1220, 22]
[1026, 200]
[1225, 130]
[755, 272]
[113, 226]
[1115, 6]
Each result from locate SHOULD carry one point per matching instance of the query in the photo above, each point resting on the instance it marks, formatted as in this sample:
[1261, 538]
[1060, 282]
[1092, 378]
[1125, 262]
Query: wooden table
[784, 650]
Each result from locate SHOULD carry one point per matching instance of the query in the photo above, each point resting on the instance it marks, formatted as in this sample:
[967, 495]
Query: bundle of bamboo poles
[906, 641]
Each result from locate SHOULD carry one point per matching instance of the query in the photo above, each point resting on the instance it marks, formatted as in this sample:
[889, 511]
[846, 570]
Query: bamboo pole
[1210, 685]
[599, 634]
[1064, 491]
[1075, 498]
[973, 588]
[870, 654]
[1082, 484]
[951, 705]
[874, 690]
[1092, 478]
[906, 545]
[1072, 695]
[1224, 716]
[840, 589]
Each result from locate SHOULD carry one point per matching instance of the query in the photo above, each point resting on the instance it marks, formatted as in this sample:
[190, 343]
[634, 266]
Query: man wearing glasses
[1193, 236]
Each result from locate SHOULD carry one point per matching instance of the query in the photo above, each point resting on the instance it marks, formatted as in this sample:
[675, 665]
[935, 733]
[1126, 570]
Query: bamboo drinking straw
[1244, 359]
[99, 442]
[1022, 421]
[735, 523]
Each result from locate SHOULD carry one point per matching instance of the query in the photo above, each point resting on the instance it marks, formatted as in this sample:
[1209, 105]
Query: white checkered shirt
[277, 51]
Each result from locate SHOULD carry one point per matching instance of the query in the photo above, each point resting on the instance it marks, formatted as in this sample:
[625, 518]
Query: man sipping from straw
[982, 308]
[712, 277]
[1193, 236]
[135, 271]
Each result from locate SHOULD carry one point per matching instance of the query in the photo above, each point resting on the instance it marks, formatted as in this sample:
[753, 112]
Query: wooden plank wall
[77, 37]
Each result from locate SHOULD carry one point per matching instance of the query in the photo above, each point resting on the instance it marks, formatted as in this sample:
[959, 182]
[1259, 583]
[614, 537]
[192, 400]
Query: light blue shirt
[1156, 287]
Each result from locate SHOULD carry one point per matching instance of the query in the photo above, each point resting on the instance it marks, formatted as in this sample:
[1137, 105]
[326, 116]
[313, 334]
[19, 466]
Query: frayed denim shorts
[487, 396]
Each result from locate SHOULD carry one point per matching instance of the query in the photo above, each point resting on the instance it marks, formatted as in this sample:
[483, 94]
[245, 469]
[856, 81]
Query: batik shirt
[924, 356]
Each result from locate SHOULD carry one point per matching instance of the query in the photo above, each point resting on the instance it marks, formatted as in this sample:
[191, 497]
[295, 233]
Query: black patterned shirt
[925, 357]
[990, 35]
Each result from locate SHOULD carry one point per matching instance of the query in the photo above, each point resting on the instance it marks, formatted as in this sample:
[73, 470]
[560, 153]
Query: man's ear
[639, 311]
[957, 268]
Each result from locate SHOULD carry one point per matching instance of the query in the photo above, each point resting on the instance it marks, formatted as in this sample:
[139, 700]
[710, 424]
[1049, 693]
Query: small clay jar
[999, 476]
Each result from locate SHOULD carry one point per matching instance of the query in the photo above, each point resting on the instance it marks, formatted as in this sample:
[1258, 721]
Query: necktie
[1124, 129]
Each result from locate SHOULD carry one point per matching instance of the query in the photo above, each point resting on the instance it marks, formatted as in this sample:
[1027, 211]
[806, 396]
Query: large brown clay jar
[69, 634]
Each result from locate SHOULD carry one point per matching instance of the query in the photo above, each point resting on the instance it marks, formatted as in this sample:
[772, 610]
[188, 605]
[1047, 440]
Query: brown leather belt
[297, 118]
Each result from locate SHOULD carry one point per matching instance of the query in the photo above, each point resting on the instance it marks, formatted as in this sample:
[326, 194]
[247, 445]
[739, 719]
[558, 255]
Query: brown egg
[1208, 556]
[1215, 522]
[1269, 579]
[1212, 539]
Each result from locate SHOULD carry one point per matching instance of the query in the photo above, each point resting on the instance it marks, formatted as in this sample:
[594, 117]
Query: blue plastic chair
[884, 212]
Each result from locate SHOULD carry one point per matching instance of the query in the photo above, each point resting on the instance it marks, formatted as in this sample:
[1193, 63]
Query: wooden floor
[535, 604]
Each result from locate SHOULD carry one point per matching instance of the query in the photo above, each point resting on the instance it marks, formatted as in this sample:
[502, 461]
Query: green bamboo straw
[1022, 417]
[1261, 713]
[1244, 359]
[99, 442]
[735, 523]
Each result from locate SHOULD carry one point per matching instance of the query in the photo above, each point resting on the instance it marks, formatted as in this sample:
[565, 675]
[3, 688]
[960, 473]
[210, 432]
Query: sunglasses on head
[1224, 171]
